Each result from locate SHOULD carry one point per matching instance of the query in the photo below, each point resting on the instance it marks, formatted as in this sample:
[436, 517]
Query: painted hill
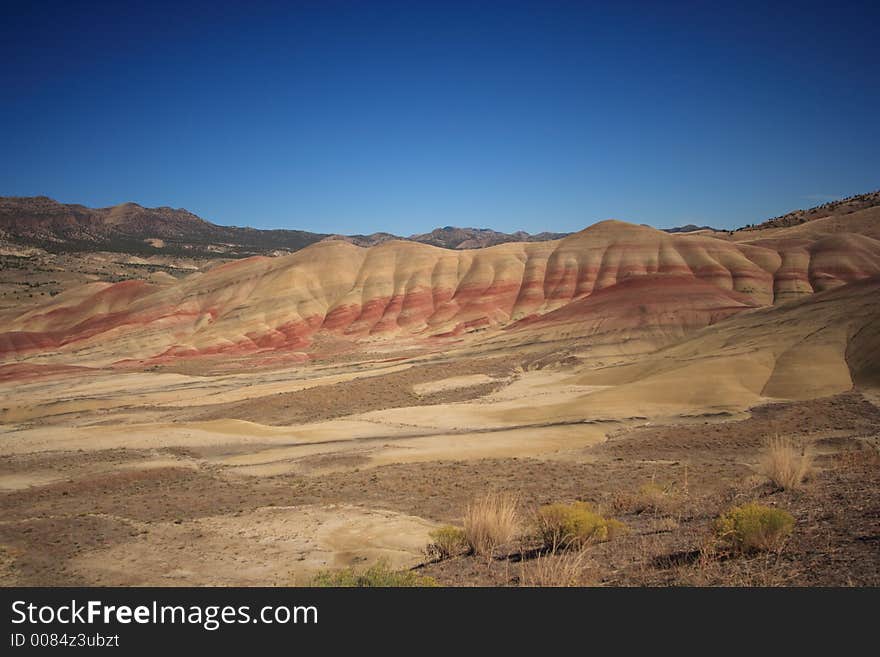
[819, 345]
[405, 291]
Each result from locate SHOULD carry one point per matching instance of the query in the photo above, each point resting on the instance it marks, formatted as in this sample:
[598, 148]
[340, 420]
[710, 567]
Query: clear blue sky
[364, 116]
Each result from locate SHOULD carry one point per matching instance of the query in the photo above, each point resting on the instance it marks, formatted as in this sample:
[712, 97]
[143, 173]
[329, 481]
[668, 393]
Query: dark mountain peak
[453, 237]
[132, 228]
[689, 228]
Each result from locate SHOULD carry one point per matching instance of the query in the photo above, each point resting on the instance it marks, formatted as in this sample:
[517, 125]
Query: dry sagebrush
[490, 521]
[786, 462]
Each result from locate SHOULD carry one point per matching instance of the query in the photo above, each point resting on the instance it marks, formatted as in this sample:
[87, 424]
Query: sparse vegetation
[867, 455]
[837, 207]
[786, 463]
[447, 541]
[655, 498]
[574, 525]
[378, 575]
[490, 521]
[555, 569]
[753, 527]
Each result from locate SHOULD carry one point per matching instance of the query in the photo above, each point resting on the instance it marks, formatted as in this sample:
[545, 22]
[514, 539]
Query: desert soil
[223, 507]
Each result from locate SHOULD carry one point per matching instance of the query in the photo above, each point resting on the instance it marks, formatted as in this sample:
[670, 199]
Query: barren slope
[817, 346]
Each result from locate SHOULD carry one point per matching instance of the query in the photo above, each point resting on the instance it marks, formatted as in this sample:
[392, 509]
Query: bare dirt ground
[178, 515]
[359, 395]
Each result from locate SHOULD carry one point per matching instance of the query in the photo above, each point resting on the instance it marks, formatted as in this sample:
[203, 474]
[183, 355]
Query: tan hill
[855, 214]
[413, 292]
[820, 345]
[859, 222]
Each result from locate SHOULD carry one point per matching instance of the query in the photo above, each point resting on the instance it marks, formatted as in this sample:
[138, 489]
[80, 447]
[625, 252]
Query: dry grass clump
[555, 569]
[574, 525]
[378, 575]
[490, 521]
[664, 524]
[655, 498]
[447, 541]
[786, 463]
[753, 527]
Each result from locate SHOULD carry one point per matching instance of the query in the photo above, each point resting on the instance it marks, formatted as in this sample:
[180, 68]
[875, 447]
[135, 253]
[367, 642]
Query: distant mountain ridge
[689, 228]
[452, 237]
[39, 221]
[130, 228]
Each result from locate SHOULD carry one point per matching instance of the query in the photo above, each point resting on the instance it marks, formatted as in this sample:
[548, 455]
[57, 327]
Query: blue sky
[356, 117]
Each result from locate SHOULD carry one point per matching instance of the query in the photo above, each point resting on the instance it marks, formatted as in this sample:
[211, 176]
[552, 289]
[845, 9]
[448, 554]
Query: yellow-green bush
[753, 527]
[447, 541]
[565, 525]
[379, 575]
